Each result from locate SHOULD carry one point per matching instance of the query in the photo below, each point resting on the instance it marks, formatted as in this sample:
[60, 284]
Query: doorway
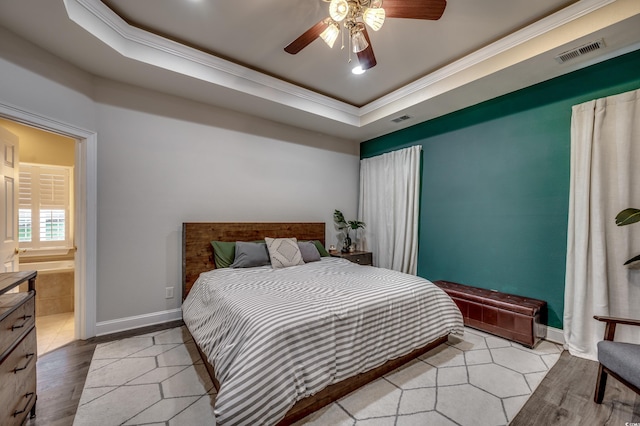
[85, 215]
[45, 228]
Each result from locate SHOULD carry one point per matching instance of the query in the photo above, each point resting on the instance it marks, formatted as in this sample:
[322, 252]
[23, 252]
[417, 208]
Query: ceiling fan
[352, 15]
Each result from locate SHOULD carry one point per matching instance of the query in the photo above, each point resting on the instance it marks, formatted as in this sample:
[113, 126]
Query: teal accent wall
[495, 184]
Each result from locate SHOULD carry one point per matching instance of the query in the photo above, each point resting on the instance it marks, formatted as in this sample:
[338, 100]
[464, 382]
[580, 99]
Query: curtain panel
[389, 203]
[605, 179]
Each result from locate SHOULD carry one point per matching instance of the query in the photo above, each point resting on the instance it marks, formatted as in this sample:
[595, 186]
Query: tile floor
[159, 378]
[54, 331]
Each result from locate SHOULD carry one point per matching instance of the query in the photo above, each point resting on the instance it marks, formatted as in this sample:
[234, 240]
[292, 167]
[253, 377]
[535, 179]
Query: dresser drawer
[18, 378]
[17, 322]
[359, 257]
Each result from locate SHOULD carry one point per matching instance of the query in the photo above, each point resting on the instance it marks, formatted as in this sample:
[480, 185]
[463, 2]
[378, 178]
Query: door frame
[85, 217]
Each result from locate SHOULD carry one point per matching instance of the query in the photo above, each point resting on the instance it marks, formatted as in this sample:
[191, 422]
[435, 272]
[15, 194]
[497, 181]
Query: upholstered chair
[621, 360]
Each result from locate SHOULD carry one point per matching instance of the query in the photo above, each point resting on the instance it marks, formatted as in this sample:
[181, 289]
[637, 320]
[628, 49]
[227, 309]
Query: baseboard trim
[554, 335]
[138, 321]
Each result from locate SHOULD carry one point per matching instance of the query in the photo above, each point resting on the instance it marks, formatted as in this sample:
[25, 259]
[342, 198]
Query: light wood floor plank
[565, 397]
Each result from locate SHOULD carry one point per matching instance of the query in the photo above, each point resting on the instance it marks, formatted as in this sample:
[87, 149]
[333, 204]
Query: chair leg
[600, 385]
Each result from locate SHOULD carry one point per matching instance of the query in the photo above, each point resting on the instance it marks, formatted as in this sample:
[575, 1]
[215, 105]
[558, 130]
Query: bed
[274, 367]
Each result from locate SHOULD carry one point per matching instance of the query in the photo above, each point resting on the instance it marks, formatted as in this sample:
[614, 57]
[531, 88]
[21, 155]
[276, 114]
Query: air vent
[579, 51]
[401, 118]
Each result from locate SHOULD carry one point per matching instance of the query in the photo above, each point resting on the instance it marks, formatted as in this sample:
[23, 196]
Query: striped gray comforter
[275, 336]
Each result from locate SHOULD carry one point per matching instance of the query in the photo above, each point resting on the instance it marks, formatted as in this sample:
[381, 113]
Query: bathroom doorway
[46, 234]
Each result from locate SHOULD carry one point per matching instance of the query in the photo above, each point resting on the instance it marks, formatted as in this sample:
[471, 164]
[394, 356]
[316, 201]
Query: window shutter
[53, 199]
[25, 226]
[44, 206]
[24, 191]
[53, 189]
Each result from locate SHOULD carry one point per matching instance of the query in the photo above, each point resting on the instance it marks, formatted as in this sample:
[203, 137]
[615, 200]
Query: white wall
[164, 160]
[37, 81]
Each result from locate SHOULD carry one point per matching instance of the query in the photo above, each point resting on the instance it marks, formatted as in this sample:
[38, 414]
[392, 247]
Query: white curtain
[605, 179]
[389, 198]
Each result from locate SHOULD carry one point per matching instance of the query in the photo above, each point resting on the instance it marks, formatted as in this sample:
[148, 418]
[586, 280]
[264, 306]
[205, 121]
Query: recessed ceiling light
[358, 70]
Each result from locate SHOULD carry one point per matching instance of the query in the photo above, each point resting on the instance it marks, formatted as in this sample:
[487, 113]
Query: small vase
[347, 244]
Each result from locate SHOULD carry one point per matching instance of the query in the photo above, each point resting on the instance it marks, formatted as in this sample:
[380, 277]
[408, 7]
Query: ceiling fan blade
[414, 9]
[306, 38]
[366, 57]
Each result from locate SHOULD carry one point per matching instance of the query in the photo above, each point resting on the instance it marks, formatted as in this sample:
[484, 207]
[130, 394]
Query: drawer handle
[29, 358]
[24, 318]
[29, 395]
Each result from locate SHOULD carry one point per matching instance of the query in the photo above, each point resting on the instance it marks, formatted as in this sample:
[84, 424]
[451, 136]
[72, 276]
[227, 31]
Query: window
[44, 219]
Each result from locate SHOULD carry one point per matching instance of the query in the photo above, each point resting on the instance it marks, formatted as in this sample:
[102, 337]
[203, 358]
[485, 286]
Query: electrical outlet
[168, 293]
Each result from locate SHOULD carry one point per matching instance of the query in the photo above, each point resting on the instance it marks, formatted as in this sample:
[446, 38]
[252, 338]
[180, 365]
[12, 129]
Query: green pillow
[223, 253]
[323, 252]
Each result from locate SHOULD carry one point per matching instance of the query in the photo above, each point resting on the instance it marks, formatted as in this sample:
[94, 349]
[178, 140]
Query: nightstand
[359, 257]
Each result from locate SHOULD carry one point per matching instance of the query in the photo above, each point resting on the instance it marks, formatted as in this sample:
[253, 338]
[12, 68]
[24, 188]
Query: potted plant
[627, 217]
[346, 226]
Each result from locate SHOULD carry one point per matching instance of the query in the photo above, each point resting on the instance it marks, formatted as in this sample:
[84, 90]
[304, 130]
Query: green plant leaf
[338, 218]
[356, 224]
[628, 216]
[633, 259]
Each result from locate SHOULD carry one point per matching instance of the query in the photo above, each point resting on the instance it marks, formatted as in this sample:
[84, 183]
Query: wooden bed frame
[197, 257]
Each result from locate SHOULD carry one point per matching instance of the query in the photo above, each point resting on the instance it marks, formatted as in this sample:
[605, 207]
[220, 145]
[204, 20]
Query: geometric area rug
[159, 379]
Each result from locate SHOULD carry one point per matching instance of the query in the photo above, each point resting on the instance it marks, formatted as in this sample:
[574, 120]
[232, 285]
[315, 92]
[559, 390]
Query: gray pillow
[309, 251]
[249, 255]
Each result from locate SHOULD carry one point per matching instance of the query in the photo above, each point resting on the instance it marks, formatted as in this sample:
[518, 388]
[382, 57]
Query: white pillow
[284, 252]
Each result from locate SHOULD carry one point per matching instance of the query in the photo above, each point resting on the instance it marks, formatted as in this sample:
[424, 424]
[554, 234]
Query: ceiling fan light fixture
[338, 9]
[350, 19]
[374, 17]
[359, 42]
[330, 34]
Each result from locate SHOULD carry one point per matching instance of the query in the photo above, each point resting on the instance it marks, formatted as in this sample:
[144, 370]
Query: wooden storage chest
[516, 318]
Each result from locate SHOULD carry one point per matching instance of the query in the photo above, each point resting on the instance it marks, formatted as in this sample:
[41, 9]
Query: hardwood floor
[565, 396]
[62, 373]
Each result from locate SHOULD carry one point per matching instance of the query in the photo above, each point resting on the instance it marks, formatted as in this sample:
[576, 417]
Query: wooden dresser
[18, 352]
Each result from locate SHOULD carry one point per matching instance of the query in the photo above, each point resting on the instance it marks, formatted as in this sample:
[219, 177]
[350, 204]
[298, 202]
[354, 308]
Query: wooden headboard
[197, 253]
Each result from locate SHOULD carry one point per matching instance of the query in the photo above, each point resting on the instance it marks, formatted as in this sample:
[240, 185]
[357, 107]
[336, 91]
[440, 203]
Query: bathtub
[51, 266]
[55, 286]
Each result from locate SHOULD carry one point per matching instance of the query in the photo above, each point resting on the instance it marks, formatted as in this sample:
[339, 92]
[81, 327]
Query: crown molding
[143, 46]
[424, 85]
[134, 43]
[534, 30]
